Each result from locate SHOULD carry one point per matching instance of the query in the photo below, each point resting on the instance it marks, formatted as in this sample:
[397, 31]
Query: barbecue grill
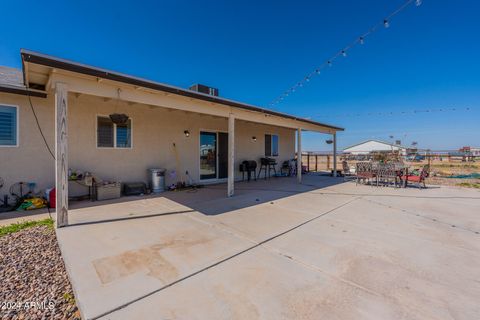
[267, 164]
[248, 166]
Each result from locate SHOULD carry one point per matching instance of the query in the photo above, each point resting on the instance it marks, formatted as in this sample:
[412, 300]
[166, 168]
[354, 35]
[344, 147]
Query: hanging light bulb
[362, 40]
[329, 63]
[344, 53]
[418, 3]
[317, 71]
[307, 79]
[386, 24]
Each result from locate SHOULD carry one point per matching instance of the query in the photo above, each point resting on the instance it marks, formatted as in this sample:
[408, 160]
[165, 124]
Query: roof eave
[22, 91]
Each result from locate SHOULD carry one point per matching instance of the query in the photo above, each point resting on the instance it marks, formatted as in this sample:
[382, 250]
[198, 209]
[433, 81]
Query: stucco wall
[155, 130]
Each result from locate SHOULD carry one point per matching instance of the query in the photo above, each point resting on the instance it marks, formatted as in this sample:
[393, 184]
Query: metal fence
[317, 162]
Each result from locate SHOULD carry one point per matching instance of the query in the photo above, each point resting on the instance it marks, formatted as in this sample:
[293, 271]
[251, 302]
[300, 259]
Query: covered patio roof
[45, 70]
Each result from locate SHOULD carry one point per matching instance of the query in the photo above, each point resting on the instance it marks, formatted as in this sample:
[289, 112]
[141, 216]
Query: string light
[394, 113]
[360, 40]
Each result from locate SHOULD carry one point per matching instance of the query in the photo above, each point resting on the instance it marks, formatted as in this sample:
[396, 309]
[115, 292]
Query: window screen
[124, 133]
[274, 145]
[268, 145]
[271, 145]
[8, 126]
[104, 132]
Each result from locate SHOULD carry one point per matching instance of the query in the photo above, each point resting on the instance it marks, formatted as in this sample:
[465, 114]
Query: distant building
[472, 151]
[370, 146]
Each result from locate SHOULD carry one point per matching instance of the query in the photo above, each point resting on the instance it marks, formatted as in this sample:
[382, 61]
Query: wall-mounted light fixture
[329, 141]
[186, 133]
[254, 139]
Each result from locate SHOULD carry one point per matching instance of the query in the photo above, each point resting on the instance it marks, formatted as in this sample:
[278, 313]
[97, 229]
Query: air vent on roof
[205, 89]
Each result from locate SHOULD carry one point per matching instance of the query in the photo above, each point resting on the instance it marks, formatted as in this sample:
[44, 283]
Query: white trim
[231, 156]
[17, 138]
[114, 134]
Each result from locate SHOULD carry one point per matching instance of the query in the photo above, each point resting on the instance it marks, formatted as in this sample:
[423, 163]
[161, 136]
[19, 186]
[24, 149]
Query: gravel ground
[34, 283]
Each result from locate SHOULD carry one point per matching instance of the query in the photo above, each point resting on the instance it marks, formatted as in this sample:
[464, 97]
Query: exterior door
[208, 155]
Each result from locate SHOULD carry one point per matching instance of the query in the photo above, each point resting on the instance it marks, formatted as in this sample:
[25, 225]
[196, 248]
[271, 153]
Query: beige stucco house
[168, 127]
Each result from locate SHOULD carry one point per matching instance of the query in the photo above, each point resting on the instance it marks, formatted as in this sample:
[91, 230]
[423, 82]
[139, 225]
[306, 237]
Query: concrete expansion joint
[230, 232]
[319, 270]
[423, 216]
[255, 245]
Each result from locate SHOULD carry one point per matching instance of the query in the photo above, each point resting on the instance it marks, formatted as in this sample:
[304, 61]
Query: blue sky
[252, 51]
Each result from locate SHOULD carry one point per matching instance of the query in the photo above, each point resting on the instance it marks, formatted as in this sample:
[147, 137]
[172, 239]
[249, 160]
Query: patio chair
[420, 177]
[287, 167]
[348, 172]
[365, 172]
[385, 173]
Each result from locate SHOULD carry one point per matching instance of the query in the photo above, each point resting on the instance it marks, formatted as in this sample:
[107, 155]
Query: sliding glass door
[208, 155]
[213, 155]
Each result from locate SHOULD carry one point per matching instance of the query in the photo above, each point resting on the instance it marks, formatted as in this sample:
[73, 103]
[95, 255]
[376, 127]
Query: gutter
[22, 91]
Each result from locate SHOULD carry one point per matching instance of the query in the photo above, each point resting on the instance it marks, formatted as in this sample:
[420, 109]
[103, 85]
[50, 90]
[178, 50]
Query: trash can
[157, 180]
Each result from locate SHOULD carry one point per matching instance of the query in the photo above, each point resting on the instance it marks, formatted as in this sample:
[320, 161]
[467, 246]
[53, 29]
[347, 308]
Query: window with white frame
[271, 145]
[8, 125]
[111, 135]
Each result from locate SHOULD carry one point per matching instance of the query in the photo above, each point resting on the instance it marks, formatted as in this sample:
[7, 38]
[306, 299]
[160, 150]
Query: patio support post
[334, 154]
[231, 155]
[61, 154]
[299, 155]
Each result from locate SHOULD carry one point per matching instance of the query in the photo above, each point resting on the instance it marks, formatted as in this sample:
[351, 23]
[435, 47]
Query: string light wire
[343, 52]
[392, 113]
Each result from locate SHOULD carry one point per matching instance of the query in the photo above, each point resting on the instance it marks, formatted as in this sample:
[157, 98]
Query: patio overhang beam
[109, 89]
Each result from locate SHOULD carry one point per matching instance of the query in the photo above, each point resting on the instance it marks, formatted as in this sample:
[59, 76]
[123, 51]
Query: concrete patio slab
[265, 220]
[262, 285]
[381, 251]
[324, 249]
[113, 263]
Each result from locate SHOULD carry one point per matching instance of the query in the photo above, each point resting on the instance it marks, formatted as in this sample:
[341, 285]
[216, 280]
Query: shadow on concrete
[208, 200]
[212, 200]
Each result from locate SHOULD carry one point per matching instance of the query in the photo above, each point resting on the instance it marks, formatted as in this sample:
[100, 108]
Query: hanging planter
[119, 118]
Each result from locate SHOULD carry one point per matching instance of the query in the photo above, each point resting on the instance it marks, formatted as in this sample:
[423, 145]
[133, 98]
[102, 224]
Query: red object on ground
[414, 178]
[52, 196]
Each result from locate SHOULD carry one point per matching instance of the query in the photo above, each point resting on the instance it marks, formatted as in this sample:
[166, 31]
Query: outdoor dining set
[397, 174]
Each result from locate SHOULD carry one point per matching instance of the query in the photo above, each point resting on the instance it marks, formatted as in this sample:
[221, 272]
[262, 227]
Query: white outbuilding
[370, 146]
